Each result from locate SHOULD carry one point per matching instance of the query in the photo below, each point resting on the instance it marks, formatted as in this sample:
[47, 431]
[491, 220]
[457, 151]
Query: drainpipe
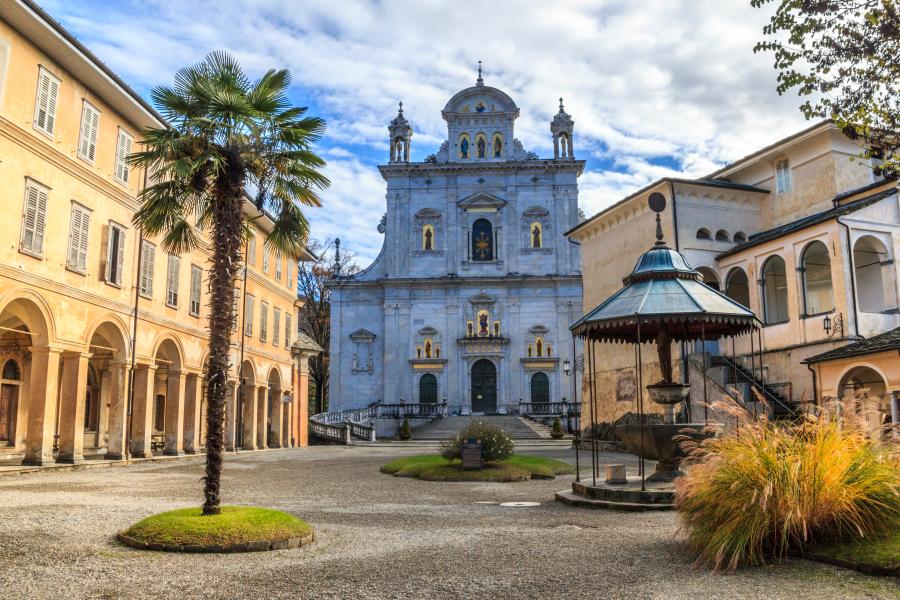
[815, 385]
[126, 451]
[852, 276]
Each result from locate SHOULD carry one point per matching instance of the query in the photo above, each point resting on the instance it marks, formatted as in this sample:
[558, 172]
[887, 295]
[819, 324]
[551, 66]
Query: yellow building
[804, 234]
[92, 313]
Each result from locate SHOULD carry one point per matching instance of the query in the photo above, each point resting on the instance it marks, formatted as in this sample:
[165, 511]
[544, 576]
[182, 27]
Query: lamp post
[573, 370]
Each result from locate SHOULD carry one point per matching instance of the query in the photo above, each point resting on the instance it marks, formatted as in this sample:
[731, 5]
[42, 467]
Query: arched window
[564, 145]
[818, 293]
[703, 234]
[11, 371]
[428, 389]
[540, 388]
[737, 287]
[428, 240]
[482, 240]
[775, 296]
[464, 145]
[536, 233]
[874, 281]
[709, 277]
[722, 236]
[480, 146]
[740, 237]
[497, 146]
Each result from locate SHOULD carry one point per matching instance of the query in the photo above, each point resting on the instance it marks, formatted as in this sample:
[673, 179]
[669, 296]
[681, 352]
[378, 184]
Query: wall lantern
[567, 367]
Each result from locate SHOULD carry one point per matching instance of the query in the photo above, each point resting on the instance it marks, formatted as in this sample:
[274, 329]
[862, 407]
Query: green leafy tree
[227, 135]
[843, 56]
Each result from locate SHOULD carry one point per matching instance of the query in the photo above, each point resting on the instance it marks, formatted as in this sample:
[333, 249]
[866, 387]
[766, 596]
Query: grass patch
[429, 467]
[882, 553]
[235, 525]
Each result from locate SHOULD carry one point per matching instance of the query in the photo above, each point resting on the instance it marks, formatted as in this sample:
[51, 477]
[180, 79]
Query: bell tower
[400, 137]
[562, 127]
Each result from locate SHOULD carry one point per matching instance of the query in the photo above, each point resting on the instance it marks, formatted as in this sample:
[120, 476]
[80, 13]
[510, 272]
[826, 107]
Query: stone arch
[172, 349]
[740, 237]
[114, 331]
[875, 288]
[875, 408]
[704, 234]
[722, 236]
[773, 277]
[815, 270]
[710, 277]
[28, 308]
[737, 286]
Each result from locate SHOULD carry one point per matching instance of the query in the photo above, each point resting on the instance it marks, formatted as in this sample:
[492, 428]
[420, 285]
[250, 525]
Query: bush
[497, 445]
[751, 497]
[556, 432]
[405, 431]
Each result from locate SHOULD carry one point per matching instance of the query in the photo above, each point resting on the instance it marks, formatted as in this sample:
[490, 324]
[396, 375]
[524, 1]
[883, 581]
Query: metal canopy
[664, 291]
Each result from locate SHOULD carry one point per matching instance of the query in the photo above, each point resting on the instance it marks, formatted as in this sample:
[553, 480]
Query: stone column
[286, 417]
[192, 397]
[103, 406]
[277, 414]
[262, 417]
[248, 416]
[73, 388]
[301, 402]
[231, 417]
[118, 407]
[42, 391]
[175, 383]
[142, 411]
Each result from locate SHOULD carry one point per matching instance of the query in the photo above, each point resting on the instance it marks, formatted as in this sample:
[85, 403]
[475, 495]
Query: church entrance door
[484, 387]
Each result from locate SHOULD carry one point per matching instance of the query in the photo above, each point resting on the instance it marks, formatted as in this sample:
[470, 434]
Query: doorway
[484, 387]
[9, 402]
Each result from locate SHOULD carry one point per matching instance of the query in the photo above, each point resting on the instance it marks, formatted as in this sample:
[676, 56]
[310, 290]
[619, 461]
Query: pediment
[536, 211]
[428, 213]
[538, 330]
[428, 331]
[362, 335]
[481, 200]
[482, 299]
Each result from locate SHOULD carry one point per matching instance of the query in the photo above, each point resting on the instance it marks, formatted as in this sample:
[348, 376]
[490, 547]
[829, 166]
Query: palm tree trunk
[227, 238]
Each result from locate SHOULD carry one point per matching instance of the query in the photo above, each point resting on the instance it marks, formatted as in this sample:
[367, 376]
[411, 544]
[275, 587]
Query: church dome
[481, 99]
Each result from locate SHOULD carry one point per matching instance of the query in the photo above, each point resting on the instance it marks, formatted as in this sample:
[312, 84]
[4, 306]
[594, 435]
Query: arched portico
[274, 410]
[875, 402]
[247, 401]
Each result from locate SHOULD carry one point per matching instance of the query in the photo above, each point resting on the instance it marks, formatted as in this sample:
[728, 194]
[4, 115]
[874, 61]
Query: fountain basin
[659, 445]
[668, 393]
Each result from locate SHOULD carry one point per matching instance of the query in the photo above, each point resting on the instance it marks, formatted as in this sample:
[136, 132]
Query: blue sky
[656, 87]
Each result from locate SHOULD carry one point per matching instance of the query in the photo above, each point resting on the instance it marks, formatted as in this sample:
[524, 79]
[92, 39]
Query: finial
[657, 204]
[561, 105]
[337, 257]
[400, 112]
[479, 81]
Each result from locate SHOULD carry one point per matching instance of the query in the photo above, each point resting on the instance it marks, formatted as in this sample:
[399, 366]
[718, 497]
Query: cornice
[515, 280]
[414, 169]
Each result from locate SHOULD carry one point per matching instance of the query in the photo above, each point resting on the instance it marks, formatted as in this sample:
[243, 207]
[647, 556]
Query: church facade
[471, 297]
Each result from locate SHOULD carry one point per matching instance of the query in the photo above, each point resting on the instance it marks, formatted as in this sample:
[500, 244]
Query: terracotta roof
[820, 217]
[879, 343]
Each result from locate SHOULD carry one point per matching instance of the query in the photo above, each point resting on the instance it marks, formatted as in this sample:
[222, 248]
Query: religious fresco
[625, 385]
[498, 145]
[536, 235]
[483, 323]
[428, 237]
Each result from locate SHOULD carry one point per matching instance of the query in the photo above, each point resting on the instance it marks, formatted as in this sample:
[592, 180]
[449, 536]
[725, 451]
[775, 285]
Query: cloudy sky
[656, 87]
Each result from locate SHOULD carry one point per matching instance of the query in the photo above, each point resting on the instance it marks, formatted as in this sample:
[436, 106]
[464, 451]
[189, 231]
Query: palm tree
[228, 137]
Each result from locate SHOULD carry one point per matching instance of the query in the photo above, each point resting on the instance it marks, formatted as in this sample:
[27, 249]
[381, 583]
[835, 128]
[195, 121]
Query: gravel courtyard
[378, 537]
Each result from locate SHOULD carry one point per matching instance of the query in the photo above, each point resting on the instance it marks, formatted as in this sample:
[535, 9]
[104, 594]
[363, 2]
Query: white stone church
[472, 295]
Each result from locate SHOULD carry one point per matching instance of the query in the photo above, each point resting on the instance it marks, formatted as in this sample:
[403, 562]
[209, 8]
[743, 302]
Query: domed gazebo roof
[664, 292]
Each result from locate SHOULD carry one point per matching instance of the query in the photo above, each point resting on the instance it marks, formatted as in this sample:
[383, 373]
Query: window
[277, 266]
[79, 227]
[87, 139]
[148, 256]
[737, 287]
[234, 308]
[276, 327]
[196, 283]
[428, 389]
[263, 321]
[740, 237]
[774, 287]
[34, 219]
[703, 234]
[722, 236]
[248, 315]
[876, 290]
[540, 388]
[482, 240]
[288, 334]
[265, 252]
[123, 149]
[818, 295]
[115, 254]
[172, 281]
[783, 181]
[290, 271]
[251, 251]
[45, 103]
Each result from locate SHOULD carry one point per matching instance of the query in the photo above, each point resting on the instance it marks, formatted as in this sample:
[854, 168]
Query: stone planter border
[257, 546]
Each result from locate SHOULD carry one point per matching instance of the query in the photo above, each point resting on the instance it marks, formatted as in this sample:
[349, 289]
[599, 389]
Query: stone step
[573, 499]
[625, 492]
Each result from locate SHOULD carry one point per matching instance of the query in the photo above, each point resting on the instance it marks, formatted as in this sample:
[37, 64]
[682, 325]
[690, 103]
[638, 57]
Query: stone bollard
[615, 474]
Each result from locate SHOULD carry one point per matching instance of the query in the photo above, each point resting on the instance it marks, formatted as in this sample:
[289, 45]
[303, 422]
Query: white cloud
[642, 80]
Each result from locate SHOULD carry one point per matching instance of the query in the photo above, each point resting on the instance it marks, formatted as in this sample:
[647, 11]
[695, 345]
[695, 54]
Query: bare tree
[315, 315]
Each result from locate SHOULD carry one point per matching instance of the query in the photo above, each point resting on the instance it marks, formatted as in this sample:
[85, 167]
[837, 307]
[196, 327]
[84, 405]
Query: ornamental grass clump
[496, 444]
[751, 497]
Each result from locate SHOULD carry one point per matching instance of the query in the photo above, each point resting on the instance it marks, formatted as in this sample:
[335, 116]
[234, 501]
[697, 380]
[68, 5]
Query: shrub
[556, 432]
[405, 431]
[751, 497]
[496, 444]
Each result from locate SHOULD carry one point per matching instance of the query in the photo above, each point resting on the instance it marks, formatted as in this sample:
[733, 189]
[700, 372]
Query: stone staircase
[516, 427]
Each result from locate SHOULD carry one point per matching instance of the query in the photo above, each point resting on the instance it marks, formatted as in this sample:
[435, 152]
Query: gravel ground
[378, 537]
